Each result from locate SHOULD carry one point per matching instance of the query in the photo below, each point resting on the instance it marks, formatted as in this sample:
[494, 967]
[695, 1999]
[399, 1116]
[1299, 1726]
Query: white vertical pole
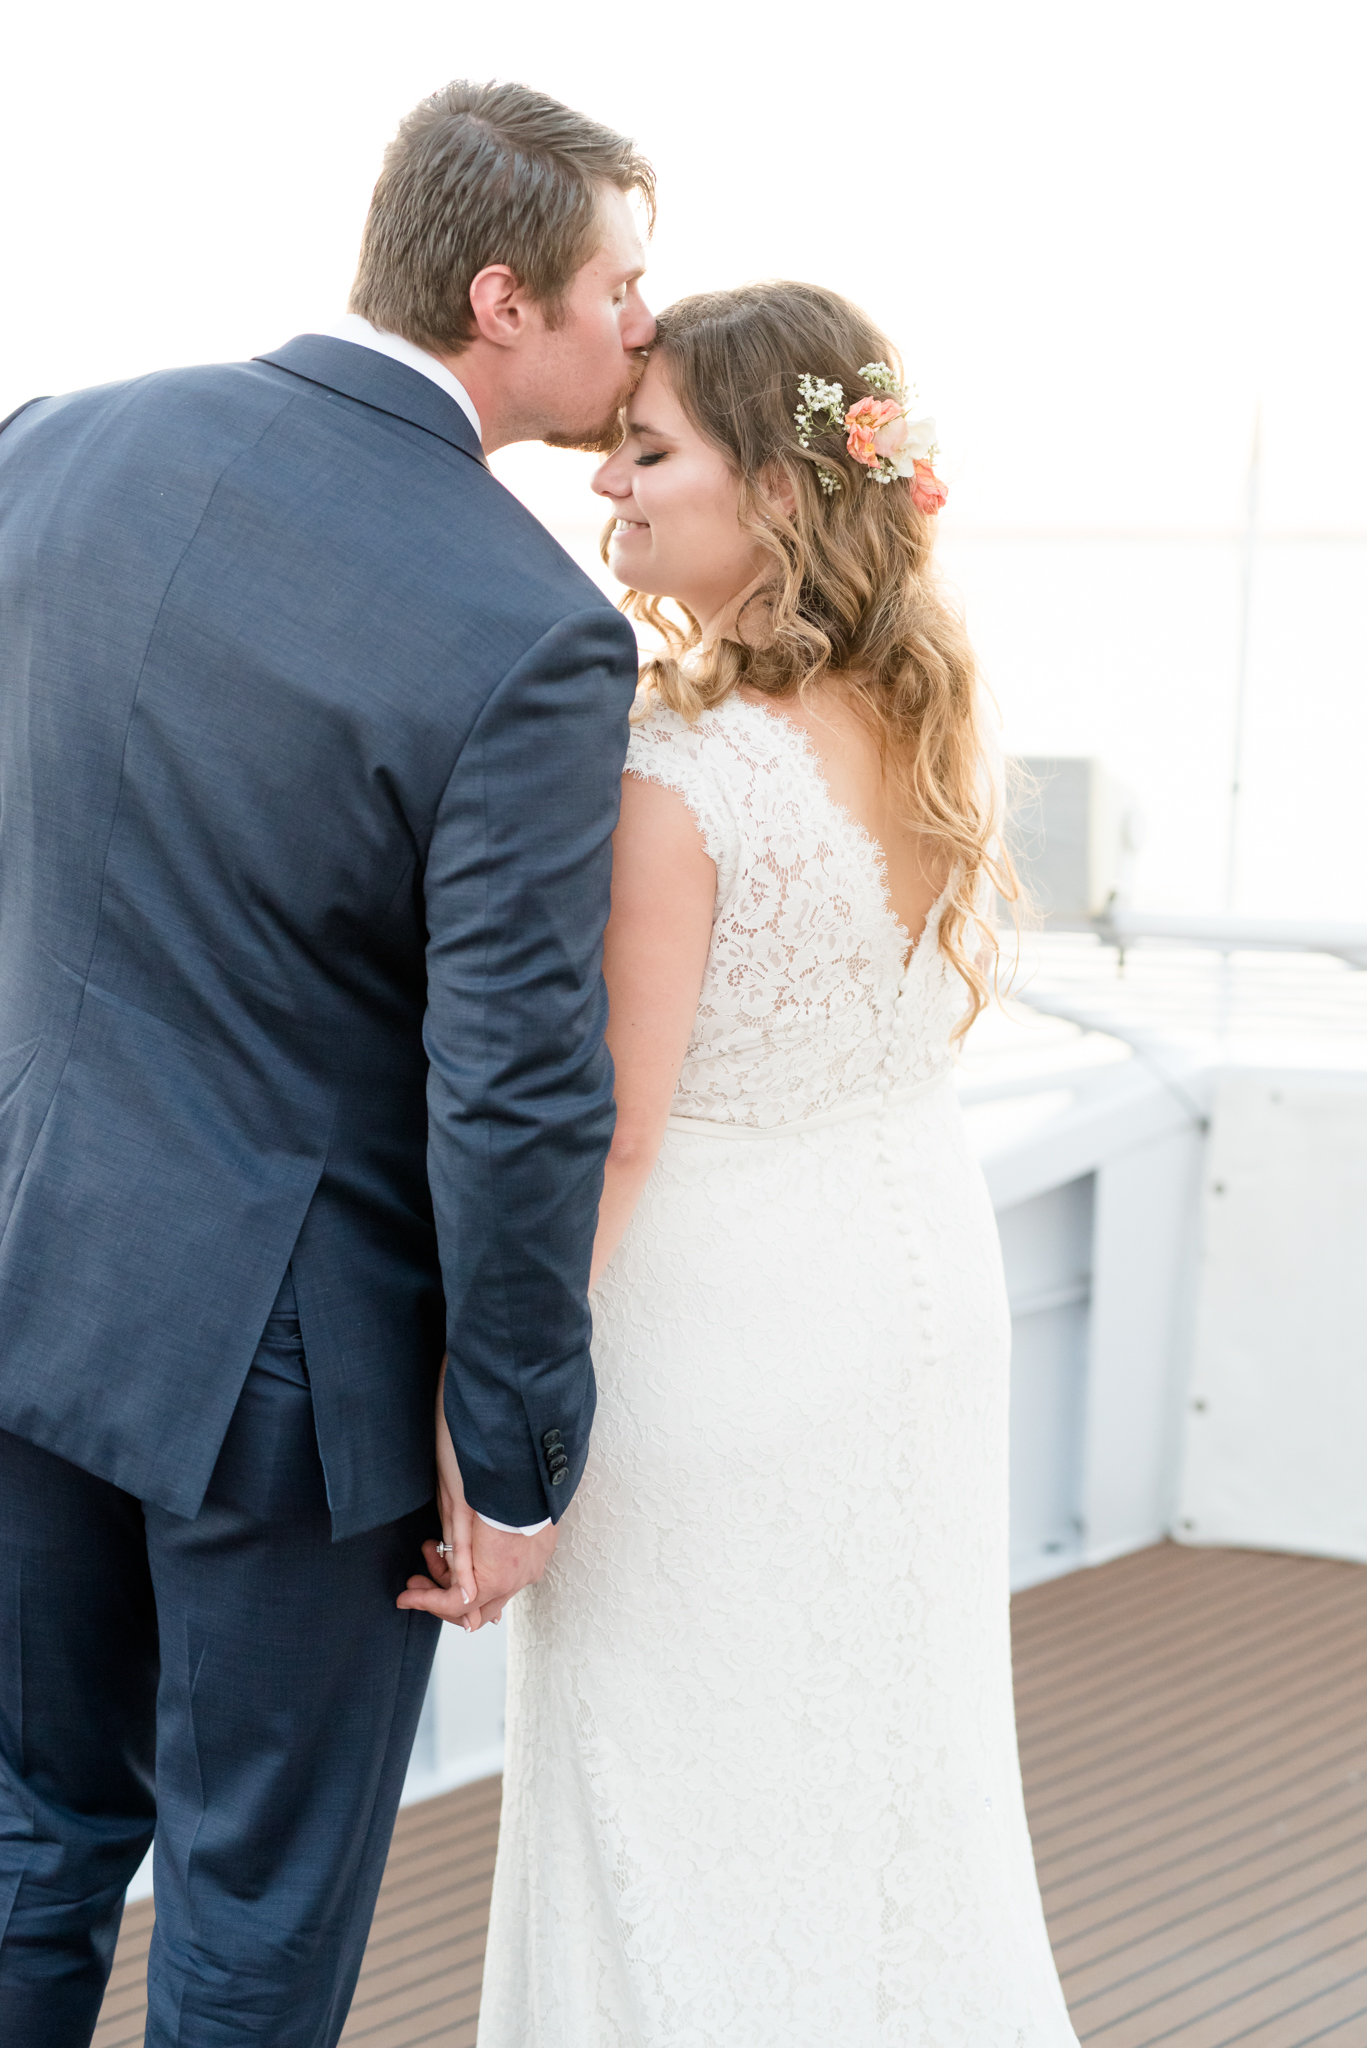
[1241, 681]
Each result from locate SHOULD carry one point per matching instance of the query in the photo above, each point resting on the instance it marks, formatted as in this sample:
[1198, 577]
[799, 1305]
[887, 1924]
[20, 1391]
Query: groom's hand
[475, 1571]
[501, 1563]
[504, 1563]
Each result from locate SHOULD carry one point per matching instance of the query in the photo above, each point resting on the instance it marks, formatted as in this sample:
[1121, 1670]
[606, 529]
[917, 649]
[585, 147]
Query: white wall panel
[1047, 1255]
[1276, 1421]
[460, 1736]
[1143, 1276]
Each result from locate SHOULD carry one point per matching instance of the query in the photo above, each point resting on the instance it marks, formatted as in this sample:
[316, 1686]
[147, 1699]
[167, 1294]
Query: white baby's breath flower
[822, 407]
[881, 378]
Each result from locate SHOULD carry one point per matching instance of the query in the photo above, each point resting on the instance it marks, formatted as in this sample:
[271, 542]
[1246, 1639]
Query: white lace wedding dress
[762, 1787]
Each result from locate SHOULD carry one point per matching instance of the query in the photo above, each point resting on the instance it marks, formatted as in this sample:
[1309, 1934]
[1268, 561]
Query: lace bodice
[799, 1009]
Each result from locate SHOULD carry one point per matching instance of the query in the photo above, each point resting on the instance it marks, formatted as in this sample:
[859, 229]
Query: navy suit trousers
[238, 1685]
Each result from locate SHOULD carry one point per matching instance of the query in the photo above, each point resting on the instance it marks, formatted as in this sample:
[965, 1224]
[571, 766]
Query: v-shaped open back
[846, 753]
[808, 954]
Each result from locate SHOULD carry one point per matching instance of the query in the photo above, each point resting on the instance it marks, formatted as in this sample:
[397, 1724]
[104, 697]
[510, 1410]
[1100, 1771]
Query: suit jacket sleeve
[520, 1109]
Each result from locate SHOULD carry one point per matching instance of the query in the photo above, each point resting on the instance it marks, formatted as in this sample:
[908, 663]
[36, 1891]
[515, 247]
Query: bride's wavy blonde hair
[853, 592]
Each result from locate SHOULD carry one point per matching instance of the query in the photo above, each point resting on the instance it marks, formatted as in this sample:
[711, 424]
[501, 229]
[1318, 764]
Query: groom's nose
[638, 329]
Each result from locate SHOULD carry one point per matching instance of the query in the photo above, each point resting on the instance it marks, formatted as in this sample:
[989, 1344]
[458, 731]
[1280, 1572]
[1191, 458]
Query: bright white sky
[1101, 233]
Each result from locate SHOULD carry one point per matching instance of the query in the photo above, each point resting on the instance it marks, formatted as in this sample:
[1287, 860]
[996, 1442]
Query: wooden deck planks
[1198, 1796]
[1194, 1744]
[125, 2000]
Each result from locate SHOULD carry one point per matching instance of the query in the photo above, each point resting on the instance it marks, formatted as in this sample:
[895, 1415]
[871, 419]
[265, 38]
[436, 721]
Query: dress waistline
[844, 1112]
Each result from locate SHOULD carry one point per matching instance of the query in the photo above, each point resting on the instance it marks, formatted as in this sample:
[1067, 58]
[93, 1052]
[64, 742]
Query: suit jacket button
[551, 1439]
[556, 1460]
[559, 1478]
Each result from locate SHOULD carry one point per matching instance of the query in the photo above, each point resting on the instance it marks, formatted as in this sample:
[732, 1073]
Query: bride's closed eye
[644, 461]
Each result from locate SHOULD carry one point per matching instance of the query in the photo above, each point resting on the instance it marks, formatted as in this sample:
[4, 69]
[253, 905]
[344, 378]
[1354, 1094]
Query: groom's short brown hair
[481, 174]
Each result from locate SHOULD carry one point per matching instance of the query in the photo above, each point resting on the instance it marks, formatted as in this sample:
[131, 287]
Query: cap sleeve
[666, 749]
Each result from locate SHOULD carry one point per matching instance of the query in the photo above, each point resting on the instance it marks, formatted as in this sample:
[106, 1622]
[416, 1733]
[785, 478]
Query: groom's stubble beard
[606, 437]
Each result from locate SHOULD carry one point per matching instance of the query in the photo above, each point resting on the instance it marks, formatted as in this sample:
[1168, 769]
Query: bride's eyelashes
[645, 461]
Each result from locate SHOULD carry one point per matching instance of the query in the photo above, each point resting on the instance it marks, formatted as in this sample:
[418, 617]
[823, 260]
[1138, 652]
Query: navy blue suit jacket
[310, 747]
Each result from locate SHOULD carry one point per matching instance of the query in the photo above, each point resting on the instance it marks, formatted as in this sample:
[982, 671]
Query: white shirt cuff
[508, 1528]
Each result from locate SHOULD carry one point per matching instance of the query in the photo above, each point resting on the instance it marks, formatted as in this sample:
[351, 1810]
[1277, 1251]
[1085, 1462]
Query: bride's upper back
[851, 763]
[809, 999]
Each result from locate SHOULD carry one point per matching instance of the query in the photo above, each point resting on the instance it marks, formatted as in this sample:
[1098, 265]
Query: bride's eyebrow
[640, 427]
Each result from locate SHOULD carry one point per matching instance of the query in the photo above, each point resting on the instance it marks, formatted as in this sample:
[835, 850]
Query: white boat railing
[1223, 932]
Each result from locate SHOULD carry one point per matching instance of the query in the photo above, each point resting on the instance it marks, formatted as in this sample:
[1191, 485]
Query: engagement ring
[446, 1550]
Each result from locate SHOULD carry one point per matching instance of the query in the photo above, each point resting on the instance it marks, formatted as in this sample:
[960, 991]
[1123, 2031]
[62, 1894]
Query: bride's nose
[612, 479]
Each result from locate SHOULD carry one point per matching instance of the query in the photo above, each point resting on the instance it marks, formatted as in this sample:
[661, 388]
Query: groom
[310, 740]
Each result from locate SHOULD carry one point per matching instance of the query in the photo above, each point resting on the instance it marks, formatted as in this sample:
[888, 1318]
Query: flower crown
[879, 432]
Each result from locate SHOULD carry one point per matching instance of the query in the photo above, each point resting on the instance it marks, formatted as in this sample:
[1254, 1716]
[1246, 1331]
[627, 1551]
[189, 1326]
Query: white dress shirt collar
[352, 327]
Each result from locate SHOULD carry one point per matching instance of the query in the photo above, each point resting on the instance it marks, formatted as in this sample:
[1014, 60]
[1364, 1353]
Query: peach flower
[928, 494]
[876, 428]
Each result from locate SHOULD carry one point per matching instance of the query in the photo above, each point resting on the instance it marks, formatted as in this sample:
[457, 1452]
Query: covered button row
[557, 1458]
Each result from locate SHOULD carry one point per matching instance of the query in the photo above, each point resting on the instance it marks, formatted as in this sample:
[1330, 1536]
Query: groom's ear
[500, 305]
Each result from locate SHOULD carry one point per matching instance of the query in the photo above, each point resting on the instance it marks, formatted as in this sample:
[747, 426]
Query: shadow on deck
[1194, 1741]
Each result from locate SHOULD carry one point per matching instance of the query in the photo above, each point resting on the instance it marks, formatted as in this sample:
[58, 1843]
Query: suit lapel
[378, 381]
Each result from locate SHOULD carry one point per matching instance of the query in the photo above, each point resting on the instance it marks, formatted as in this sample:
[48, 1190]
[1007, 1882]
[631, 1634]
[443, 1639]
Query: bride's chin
[624, 558]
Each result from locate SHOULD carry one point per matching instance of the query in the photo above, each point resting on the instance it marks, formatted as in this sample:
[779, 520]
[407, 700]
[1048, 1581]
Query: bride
[762, 1787]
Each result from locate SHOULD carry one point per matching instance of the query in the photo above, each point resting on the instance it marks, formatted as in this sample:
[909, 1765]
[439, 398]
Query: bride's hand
[449, 1592]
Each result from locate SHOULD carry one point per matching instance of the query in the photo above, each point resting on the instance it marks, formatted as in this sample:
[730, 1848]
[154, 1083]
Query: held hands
[476, 1583]
[482, 1568]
